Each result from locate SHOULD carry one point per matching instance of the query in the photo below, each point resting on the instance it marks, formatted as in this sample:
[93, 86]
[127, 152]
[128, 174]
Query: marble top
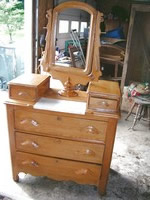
[59, 105]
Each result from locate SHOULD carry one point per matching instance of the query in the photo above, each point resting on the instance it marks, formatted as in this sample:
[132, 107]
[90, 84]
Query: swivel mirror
[72, 43]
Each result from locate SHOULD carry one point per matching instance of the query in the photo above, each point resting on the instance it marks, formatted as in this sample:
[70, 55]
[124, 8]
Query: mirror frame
[48, 59]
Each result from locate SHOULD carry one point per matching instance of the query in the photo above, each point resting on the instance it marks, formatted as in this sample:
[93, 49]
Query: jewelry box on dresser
[64, 134]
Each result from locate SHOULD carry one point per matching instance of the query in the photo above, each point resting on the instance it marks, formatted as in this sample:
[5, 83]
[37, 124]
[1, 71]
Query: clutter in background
[141, 90]
[115, 27]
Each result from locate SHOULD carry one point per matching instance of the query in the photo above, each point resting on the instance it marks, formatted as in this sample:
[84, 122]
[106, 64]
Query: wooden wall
[40, 21]
[106, 5]
[44, 5]
[139, 58]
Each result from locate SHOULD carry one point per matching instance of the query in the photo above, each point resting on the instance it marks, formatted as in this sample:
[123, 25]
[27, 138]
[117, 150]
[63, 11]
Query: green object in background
[67, 44]
[70, 42]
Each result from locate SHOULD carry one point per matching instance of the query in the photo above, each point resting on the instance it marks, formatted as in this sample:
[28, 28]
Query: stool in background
[142, 106]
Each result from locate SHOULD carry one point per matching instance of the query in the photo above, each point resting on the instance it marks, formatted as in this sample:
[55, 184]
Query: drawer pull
[86, 152]
[90, 152]
[22, 94]
[33, 163]
[34, 144]
[33, 122]
[81, 172]
[91, 130]
[105, 103]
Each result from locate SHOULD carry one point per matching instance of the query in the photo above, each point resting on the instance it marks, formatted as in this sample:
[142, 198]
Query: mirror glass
[71, 38]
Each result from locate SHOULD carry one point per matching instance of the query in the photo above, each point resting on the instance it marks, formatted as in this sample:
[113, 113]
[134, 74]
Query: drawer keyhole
[59, 118]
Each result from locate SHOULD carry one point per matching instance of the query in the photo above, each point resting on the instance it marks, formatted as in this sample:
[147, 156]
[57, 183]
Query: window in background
[75, 25]
[11, 40]
[14, 43]
[63, 26]
[83, 26]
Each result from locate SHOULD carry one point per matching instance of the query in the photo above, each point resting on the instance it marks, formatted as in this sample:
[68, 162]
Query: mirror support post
[68, 90]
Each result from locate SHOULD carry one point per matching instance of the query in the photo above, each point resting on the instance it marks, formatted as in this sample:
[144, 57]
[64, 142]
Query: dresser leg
[15, 177]
[101, 190]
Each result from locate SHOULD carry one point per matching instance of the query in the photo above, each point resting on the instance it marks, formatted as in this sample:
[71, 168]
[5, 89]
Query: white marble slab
[59, 105]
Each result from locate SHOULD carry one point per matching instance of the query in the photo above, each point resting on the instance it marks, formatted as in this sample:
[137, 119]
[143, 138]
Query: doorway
[15, 39]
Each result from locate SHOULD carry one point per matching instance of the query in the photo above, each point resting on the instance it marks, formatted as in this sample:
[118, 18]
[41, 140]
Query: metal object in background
[10, 65]
[77, 44]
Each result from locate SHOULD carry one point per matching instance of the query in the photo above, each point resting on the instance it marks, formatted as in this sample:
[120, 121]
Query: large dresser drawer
[60, 126]
[58, 169]
[54, 147]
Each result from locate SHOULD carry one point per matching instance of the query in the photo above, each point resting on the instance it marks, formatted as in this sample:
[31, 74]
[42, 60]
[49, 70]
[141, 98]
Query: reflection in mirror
[71, 39]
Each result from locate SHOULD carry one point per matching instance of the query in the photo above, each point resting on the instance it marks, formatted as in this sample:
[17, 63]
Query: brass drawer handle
[34, 144]
[32, 121]
[91, 130]
[33, 163]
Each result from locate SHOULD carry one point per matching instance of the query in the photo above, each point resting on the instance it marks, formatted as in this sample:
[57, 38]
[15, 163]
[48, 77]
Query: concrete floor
[129, 175]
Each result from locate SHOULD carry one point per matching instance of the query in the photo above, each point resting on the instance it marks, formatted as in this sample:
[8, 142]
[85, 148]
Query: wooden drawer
[101, 104]
[28, 87]
[22, 93]
[58, 169]
[60, 148]
[57, 126]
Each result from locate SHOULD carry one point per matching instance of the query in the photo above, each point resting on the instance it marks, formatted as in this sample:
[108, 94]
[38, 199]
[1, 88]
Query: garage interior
[125, 60]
